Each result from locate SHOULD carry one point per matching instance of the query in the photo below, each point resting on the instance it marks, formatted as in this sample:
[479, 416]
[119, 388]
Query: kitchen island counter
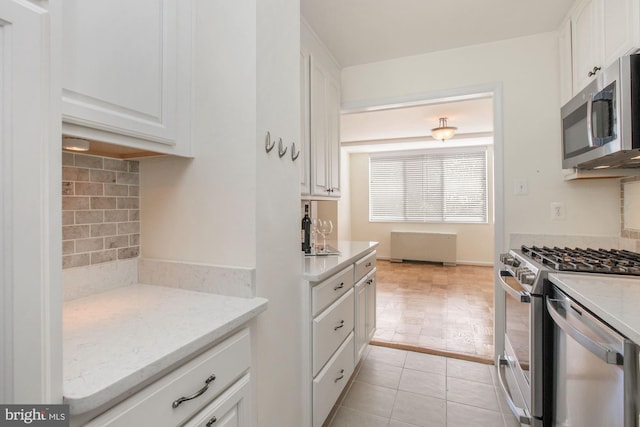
[614, 299]
[119, 341]
[317, 268]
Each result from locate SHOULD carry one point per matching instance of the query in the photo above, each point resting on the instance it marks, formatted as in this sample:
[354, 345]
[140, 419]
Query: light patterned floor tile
[419, 410]
[425, 383]
[459, 415]
[347, 417]
[370, 399]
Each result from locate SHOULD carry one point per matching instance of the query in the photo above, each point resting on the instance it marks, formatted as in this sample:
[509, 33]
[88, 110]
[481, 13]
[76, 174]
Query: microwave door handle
[590, 122]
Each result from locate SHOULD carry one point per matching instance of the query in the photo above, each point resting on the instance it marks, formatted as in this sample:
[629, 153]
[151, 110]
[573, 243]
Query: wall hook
[293, 150]
[281, 149]
[268, 144]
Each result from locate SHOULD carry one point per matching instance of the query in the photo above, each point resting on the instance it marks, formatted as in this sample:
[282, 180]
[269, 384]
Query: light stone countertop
[317, 268]
[117, 341]
[614, 299]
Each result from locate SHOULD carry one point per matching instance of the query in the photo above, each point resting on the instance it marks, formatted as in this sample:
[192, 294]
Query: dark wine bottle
[306, 230]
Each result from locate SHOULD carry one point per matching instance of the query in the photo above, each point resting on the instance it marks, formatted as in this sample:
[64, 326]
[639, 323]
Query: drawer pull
[211, 421]
[340, 286]
[340, 325]
[198, 393]
[370, 281]
[368, 264]
[340, 377]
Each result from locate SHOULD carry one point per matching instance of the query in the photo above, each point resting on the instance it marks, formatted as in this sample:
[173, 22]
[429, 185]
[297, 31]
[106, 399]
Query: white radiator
[416, 246]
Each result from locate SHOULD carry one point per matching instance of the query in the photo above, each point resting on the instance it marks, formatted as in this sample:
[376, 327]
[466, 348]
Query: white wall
[474, 241]
[528, 70]
[234, 204]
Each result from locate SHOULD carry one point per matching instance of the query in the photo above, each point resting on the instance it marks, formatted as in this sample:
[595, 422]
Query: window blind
[429, 186]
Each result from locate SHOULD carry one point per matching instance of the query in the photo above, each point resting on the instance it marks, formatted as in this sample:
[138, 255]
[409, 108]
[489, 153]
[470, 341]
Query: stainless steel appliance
[594, 370]
[526, 367]
[521, 367]
[601, 125]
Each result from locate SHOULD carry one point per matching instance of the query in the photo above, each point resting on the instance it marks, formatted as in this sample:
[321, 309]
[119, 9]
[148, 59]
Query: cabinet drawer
[331, 328]
[323, 294]
[153, 405]
[365, 265]
[231, 409]
[328, 385]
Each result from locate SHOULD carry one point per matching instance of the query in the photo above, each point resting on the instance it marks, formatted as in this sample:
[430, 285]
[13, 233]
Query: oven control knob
[528, 279]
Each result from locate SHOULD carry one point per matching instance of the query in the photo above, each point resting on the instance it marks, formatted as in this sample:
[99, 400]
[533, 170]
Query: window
[429, 186]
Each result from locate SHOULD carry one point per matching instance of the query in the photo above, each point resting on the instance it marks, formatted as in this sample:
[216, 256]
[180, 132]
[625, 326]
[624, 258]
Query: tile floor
[447, 309]
[399, 388]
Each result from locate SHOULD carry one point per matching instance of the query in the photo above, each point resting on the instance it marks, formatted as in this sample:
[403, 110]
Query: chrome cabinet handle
[340, 325]
[601, 351]
[594, 71]
[211, 421]
[268, 144]
[198, 393]
[340, 286]
[340, 377]
[370, 281]
[521, 414]
[368, 264]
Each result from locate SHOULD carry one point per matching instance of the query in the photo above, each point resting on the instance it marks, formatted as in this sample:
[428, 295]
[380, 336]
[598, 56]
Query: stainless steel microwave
[601, 124]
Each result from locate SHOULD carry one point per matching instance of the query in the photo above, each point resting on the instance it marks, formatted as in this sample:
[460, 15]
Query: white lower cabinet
[328, 384]
[341, 322]
[365, 325]
[231, 409]
[214, 384]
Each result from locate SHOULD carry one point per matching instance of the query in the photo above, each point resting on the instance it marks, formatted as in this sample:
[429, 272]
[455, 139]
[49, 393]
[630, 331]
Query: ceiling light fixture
[443, 131]
[75, 144]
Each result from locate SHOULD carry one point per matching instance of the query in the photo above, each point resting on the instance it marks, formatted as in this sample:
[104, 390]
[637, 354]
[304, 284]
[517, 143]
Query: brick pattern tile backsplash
[100, 209]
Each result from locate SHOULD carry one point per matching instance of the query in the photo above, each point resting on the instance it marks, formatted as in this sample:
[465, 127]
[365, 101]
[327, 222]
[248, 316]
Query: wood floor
[436, 309]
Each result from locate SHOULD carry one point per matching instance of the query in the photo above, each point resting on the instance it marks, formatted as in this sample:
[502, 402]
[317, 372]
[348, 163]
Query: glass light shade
[443, 132]
[75, 144]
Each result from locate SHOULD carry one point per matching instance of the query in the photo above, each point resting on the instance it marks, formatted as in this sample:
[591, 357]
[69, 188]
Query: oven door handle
[601, 351]
[520, 413]
[524, 297]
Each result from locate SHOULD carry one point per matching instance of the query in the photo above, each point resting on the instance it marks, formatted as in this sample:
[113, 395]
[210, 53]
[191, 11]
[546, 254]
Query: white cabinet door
[566, 79]
[586, 33]
[231, 409]
[621, 28]
[361, 319]
[325, 133]
[333, 137]
[370, 326]
[305, 129]
[31, 361]
[126, 71]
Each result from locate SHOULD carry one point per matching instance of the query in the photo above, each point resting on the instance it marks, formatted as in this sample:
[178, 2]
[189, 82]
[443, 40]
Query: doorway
[467, 287]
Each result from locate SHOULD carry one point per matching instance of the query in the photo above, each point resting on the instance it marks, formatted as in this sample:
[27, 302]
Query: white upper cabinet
[325, 133]
[127, 72]
[586, 36]
[305, 129]
[566, 89]
[621, 20]
[596, 33]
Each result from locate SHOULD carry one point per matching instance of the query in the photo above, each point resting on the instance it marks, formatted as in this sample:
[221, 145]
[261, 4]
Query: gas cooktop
[586, 260]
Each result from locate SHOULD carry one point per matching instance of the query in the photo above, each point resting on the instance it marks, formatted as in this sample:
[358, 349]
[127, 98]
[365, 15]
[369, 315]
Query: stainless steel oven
[530, 367]
[520, 366]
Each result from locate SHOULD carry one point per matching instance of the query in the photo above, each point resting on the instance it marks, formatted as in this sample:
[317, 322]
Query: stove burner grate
[588, 260]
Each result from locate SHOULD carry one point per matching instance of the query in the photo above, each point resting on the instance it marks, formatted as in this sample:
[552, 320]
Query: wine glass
[325, 227]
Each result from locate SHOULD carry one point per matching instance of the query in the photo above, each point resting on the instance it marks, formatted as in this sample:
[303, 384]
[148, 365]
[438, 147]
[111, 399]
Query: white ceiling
[410, 127]
[363, 31]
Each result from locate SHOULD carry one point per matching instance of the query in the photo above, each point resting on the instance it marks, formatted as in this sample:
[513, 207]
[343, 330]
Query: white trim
[320, 42]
